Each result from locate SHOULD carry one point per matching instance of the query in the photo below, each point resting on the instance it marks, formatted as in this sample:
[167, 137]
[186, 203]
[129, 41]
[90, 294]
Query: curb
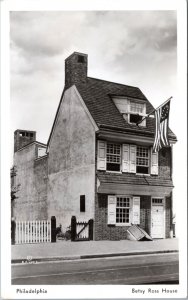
[88, 256]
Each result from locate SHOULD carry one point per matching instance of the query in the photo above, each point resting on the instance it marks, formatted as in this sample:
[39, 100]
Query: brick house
[97, 163]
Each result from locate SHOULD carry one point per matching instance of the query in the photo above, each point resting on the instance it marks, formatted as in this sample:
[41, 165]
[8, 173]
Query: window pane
[113, 156]
[136, 107]
[122, 210]
[142, 160]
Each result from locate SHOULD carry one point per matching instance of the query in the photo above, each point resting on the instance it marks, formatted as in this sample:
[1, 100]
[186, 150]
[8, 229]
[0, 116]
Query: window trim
[130, 112]
[116, 155]
[130, 209]
[148, 159]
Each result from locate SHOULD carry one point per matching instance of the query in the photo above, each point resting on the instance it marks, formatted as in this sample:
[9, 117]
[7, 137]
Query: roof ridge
[29, 144]
[135, 87]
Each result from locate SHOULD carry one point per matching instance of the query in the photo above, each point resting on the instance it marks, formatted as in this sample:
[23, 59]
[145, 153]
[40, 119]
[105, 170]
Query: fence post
[91, 229]
[73, 228]
[53, 229]
[13, 232]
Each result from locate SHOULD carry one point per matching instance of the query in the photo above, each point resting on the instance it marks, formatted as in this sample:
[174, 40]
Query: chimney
[75, 69]
[22, 138]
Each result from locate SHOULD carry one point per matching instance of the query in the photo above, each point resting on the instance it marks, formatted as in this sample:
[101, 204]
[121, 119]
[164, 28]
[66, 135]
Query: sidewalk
[63, 250]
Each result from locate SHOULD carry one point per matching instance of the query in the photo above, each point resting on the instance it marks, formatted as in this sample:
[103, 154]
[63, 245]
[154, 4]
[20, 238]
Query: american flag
[161, 130]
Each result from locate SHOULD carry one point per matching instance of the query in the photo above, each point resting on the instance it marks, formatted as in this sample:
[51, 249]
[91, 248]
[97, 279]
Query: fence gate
[81, 230]
[32, 232]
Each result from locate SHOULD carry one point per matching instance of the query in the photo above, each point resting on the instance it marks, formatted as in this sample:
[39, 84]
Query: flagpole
[154, 110]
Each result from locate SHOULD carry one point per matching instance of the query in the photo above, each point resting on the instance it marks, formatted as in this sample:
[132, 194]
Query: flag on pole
[161, 130]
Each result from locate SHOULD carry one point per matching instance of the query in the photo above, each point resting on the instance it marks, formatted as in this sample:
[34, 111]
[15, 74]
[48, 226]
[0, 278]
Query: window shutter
[136, 210]
[133, 158]
[112, 210]
[154, 162]
[125, 160]
[101, 155]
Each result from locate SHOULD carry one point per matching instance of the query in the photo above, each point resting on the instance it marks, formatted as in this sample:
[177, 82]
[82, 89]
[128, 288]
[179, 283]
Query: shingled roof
[97, 95]
[132, 179]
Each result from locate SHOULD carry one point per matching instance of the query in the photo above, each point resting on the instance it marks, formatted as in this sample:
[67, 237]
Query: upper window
[136, 107]
[136, 112]
[142, 160]
[113, 157]
[132, 110]
[128, 158]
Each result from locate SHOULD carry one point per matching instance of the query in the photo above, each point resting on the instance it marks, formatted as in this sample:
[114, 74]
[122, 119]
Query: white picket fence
[82, 230]
[33, 232]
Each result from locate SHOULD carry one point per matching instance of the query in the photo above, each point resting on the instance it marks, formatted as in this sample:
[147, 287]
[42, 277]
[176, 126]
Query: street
[138, 269]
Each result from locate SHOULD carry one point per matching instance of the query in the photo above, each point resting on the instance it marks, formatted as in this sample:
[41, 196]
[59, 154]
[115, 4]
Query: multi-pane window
[113, 156]
[123, 210]
[142, 160]
[157, 201]
[136, 107]
[136, 111]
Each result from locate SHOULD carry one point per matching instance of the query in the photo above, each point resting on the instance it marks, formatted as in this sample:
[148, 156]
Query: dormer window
[132, 110]
[136, 112]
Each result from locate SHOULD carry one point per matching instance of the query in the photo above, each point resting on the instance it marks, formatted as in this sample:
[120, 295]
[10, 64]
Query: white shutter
[154, 162]
[125, 159]
[101, 155]
[136, 210]
[112, 210]
[132, 158]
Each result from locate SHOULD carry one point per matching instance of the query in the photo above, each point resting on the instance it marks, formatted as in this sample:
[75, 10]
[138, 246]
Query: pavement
[67, 250]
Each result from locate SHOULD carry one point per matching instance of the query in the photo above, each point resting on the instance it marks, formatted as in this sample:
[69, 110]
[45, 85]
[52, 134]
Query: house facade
[98, 163]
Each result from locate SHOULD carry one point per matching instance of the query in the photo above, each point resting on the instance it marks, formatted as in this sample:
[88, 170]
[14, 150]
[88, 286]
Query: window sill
[117, 172]
[142, 174]
[122, 224]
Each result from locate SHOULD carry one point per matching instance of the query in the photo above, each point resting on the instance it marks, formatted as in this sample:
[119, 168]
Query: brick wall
[103, 231]
[165, 163]
[75, 69]
[145, 213]
[168, 216]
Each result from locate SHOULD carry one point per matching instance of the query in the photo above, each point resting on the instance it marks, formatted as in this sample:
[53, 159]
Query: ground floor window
[123, 210]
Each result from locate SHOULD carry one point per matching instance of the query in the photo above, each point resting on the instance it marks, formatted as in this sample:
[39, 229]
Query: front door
[157, 218]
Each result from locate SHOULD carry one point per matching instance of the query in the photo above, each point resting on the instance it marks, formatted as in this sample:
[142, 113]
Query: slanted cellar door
[157, 218]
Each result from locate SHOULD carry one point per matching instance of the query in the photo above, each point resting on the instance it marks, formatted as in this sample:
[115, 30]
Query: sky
[137, 48]
[131, 47]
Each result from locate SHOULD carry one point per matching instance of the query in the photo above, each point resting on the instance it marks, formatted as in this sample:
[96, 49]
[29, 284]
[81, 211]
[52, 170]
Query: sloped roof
[132, 179]
[97, 95]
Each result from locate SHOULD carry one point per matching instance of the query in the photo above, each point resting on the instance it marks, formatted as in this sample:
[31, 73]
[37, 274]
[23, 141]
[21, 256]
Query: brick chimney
[75, 69]
[22, 138]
